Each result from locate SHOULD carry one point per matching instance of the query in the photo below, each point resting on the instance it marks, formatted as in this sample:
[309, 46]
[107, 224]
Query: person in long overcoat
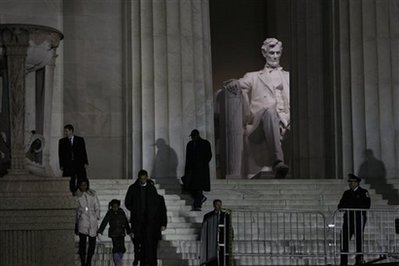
[142, 202]
[87, 216]
[196, 177]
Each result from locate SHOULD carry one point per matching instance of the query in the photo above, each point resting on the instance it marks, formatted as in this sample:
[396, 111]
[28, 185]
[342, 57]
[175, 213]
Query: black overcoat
[72, 158]
[133, 204]
[196, 173]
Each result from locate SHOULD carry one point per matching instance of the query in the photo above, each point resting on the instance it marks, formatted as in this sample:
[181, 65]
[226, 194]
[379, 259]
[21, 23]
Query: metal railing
[366, 234]
[279, 237]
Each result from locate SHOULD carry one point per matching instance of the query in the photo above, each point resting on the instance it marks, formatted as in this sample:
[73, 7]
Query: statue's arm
[233, 86]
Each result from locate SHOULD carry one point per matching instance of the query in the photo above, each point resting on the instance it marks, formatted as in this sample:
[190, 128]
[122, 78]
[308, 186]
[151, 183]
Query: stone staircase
[180, 244]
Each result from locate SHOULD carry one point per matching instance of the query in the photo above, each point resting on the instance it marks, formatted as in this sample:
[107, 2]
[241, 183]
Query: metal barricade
[279, 237]
[366, 234]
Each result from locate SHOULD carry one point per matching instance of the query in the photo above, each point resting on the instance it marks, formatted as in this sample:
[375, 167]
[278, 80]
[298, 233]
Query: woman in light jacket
[87, 215]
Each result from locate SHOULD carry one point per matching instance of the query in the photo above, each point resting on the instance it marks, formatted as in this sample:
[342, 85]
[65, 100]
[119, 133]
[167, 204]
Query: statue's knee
[270, 114]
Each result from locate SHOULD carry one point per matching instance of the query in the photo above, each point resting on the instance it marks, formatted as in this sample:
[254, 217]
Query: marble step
[184, 224]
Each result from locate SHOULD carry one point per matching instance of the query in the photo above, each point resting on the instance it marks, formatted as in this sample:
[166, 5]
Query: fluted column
[48, 111]
[16, 42]
[369, 44]
[168, 77]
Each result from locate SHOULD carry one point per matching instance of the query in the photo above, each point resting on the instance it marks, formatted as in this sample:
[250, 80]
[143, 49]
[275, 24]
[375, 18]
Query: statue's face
[273, 56]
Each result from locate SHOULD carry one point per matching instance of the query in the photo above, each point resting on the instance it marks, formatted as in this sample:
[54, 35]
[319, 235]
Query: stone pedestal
[36, 221]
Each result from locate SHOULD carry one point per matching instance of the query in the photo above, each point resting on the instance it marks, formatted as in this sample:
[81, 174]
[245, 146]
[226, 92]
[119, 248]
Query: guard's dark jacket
[358, 199]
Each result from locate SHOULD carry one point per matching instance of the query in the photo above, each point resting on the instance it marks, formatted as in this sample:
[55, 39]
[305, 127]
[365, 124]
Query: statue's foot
[280, 169]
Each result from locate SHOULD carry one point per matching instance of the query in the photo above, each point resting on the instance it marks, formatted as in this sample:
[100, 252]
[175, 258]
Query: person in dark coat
[223, 239]
[354, 221]
[118, 228]
[72, 157]
[142, 201]
[196, 177]
[162, 216]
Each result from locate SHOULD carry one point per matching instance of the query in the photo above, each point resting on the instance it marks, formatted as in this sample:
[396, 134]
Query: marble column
[48, 111]
[312, 93]
[369, 81]
[167, 78]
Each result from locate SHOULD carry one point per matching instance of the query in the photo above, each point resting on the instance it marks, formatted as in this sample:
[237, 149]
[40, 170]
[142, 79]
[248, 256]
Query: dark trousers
[145, 245]
[352, 227]
[86, 261]
[197, 197]
[76, 173]
[118, 244]
[137, 248]
[138, 242]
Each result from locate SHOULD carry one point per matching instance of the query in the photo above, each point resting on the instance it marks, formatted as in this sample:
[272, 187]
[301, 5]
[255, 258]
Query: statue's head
[272, 50]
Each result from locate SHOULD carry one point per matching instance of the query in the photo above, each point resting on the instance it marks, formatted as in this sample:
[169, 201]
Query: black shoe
[281, 169]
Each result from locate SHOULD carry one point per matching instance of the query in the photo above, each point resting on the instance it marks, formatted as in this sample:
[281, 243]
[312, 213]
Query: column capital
[14, 36]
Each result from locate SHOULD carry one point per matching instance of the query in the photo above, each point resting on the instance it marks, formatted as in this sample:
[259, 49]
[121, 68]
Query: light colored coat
[88, 212]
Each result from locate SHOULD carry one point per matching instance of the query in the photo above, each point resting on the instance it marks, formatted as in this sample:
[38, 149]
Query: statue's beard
[273, 64]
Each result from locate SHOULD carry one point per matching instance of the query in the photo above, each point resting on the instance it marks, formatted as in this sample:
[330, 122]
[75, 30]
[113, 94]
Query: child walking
[118, 228]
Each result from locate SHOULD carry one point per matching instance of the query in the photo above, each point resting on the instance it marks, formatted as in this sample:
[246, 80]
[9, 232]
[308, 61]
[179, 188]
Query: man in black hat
[196, 177]
[354, 221]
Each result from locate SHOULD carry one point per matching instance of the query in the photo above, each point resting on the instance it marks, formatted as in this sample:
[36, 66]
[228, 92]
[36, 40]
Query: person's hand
[233, 86]
[163, 228]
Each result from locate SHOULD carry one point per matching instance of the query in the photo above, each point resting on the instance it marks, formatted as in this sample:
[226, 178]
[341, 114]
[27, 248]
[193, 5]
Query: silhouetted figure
[165, 164]
[372, 167]
[196, 177]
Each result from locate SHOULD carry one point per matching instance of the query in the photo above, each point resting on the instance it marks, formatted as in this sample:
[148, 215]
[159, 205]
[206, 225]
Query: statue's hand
[233, 86]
